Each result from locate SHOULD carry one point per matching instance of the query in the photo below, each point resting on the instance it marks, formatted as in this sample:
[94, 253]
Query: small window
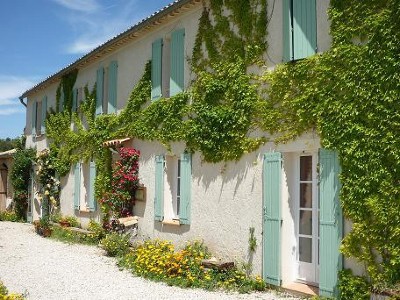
[105, 92]
[167, 66]
[172, 188]
[299, 29]
[38, 124]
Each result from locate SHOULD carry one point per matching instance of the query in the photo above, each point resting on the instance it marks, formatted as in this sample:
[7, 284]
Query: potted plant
[45, 228]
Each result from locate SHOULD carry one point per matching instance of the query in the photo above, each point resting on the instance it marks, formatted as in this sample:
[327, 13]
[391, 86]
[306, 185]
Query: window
[84, 178]
[167, 67]
[299, 29]
[106, 89]
[172, 188]
[77, 98]
[39, 114]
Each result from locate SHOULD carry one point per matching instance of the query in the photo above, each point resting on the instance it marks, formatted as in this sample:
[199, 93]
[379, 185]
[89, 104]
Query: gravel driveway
[47, 269]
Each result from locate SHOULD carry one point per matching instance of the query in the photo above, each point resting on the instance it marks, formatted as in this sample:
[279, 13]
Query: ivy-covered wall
[349, 95]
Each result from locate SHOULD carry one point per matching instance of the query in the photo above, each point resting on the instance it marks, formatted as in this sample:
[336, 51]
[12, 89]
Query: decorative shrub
[353, 287]
[20, 174]
[115, 244]
[157, 260]
[9, 216]
[49, 192]
[118, 201]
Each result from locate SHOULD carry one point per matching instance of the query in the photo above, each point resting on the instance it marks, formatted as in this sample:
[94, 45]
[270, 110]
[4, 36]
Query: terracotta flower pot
[64, 223]
[46, 232]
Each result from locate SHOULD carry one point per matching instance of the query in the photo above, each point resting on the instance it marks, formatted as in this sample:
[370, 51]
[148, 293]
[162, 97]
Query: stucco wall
[226, 202]
[226, 198]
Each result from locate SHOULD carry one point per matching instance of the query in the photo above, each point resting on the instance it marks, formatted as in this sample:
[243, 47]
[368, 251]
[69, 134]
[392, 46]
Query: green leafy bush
[353, 287]
[9, 216]
[115, 244]
[158, 260]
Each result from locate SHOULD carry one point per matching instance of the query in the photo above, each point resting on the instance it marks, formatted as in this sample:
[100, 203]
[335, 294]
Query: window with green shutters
[61, 101]
[184, 184]
[156, 69]
[106, 89]
[173, 179]
[77, 185]
[159, 188]
[34, 114]
[112, 87]
[299, 29]
[99, 91]
[177, 61]
[44, 115]
[74, 99]
[91, 193]
[168, 65]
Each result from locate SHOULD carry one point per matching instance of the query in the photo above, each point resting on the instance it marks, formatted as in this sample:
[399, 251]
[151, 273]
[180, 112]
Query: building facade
[287, 192]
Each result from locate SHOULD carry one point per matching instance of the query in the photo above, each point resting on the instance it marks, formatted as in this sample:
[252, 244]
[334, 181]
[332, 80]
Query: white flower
[46, 192]
[49, 185]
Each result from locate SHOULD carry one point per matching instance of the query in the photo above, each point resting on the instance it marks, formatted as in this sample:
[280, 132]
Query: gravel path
[47, 269]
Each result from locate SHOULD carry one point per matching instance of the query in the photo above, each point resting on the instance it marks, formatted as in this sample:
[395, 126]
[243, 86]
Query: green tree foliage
[8, 144]
[20, 175]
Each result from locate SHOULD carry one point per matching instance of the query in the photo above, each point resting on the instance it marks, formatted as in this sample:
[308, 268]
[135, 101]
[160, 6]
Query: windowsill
[171, 222]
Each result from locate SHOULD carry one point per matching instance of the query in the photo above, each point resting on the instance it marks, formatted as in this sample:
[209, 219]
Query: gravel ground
[46, 269]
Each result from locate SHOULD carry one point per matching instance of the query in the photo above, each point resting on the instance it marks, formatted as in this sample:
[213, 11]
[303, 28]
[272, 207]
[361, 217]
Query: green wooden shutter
[99, 91]
[177, 62]
[331, 223]
[44, 115]
[92, 178]
[34, 114]
[159, 189]
[156, 69]
[304, 28]
[74, 99]
[77, 185]
[185, 188]
[272, 217]
[61, 101]
[112, 87]
[287, 30]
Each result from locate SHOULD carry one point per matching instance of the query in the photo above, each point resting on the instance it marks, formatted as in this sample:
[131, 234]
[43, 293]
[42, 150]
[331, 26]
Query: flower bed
[158, 260]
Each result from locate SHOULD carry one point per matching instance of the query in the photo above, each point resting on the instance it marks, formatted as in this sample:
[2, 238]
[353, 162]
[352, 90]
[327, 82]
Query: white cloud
[92, 27]
[11, 111]
[11, 87]
[80, 5]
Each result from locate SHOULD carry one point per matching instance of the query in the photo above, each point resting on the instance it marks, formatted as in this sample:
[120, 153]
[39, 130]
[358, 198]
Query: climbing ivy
[350, 96]
[64, 90]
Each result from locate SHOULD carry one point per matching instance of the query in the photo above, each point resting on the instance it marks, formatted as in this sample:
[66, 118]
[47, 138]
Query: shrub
[115, 244]
[353, 287]
[97, 231]
[158, 260]
[10, 216]
[72, 220]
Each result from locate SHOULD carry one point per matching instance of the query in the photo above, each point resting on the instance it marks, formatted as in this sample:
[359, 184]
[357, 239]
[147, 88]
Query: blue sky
[39, 37]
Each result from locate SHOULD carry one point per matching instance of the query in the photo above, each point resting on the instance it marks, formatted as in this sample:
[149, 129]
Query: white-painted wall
[226, 198]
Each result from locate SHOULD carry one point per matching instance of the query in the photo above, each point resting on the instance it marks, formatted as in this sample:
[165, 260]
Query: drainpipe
[22, 101]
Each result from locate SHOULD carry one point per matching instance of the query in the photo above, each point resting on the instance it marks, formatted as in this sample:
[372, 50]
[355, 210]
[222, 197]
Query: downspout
[21, 99]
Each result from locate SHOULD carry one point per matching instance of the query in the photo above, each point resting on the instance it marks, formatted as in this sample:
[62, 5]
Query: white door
[307, 219]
